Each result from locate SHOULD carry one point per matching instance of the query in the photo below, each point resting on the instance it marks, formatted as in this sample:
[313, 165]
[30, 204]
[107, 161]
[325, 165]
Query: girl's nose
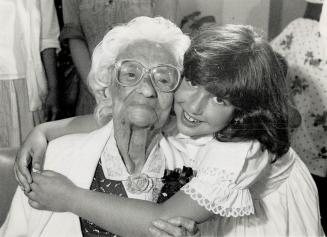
[196, 102]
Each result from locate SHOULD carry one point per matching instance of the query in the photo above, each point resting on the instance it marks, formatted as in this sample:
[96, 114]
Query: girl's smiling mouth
[189, 119]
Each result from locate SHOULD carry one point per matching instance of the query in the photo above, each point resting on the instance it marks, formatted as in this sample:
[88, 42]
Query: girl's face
[199, 112]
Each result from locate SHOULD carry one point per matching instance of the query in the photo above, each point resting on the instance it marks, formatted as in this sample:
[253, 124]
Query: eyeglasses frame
[145, 69]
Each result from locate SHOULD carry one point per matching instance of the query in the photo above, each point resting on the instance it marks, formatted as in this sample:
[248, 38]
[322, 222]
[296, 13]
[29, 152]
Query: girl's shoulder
[230, 156]
[237, 147]
[227, 150]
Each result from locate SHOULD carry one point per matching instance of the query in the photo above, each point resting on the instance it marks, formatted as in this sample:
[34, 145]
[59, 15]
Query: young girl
[231, 112]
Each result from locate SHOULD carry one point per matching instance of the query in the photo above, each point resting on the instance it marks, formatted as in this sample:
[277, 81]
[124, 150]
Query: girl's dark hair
[234, 63]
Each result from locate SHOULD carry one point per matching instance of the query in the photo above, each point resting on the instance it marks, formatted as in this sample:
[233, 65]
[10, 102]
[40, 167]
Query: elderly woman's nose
[146, 87]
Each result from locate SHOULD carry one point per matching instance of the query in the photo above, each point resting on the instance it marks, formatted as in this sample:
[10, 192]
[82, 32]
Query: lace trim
[215, 207]
[221, 173]
[189, 162]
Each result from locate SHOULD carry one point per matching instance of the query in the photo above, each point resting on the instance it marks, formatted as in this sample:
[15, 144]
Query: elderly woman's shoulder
[68, 140]
[67, 146]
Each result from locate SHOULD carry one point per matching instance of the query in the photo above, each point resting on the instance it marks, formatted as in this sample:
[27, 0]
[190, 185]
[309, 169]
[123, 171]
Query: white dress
[249, 195]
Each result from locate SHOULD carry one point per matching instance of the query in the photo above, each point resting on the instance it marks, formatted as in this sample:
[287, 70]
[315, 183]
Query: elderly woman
[116, 157]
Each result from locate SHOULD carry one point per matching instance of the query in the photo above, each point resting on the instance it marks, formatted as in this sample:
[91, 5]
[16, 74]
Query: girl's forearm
[132, 217]
[80, 124]
[114, 214]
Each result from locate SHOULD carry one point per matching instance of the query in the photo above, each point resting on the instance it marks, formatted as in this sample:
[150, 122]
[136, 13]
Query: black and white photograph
[163, 118]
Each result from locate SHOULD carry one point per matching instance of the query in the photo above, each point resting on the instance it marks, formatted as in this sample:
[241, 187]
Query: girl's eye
[218, 100]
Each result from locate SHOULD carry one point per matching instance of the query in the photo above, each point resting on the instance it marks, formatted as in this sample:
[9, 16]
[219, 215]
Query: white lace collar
[115, 169]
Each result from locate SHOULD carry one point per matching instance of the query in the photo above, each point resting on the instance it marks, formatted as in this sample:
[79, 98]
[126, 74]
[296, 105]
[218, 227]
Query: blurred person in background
[303, 43]
[28, 82]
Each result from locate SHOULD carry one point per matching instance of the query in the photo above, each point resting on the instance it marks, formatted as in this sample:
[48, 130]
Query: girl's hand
[51, 191]
[176, 226]
[31, 153]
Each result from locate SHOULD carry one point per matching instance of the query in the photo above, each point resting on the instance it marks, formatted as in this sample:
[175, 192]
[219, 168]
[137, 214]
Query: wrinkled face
[143, 105]
[199, 112]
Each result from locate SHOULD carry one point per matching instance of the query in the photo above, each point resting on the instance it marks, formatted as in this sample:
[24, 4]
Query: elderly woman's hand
[31, 153]
[176, 226]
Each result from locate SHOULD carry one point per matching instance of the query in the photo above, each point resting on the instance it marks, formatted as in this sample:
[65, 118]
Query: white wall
[282, 12]
[207, 7]
[252, 12]
[291, 9]
[269, 15]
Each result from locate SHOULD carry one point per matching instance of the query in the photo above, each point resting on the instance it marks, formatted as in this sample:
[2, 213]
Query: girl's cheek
[181, 94]
[178, 97]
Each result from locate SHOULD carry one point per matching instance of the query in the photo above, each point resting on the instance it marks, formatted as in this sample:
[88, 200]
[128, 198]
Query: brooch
[139, 183]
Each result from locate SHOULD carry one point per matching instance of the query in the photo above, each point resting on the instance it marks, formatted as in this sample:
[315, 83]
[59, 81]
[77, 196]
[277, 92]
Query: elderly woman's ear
[106, 93]
[109, 80]
[103, 94]
[100, 86]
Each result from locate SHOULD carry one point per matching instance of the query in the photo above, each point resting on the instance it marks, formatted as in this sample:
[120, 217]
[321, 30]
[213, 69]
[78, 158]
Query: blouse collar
[182, 142]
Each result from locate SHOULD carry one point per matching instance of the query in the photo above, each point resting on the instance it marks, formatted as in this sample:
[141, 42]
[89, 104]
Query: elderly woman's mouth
[142, 115]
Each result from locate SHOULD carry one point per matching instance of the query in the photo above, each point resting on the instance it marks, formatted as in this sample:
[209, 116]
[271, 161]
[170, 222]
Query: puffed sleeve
[72, 26]
[225, 172]
[49, 25]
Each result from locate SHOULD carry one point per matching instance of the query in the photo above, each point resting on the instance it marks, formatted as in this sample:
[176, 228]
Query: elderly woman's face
[143, 105]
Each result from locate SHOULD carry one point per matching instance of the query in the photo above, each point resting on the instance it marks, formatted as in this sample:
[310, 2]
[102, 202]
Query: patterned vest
[101, 184]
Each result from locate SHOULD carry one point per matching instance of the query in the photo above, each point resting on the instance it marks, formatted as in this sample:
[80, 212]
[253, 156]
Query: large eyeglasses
[164, 77]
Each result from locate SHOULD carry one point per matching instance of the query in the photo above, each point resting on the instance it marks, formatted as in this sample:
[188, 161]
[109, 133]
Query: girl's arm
[33, 149]
[132, 217]
[122, 216]
[59, 128]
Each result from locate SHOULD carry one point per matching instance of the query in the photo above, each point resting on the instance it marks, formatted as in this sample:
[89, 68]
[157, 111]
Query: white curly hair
[157, 30]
